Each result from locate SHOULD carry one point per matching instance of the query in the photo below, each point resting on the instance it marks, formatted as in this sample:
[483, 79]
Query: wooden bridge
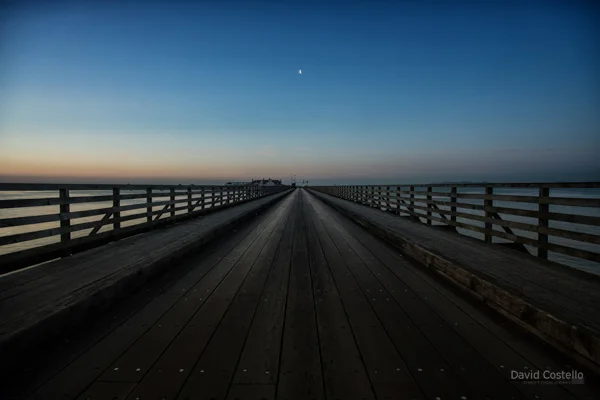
[343, 292]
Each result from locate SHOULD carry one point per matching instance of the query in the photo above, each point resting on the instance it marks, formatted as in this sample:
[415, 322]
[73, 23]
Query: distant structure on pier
[257, 182]
[266, 182]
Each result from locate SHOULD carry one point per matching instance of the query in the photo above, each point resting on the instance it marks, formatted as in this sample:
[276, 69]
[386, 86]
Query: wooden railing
[538, 218]
[40, 222]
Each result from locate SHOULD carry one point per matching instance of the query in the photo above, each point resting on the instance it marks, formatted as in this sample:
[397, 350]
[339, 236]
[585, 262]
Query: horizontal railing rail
[556, 221]
[40, 222]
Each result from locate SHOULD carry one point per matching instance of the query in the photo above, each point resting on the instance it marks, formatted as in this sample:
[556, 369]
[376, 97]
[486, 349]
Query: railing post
[116, 204]
[487, 204]
[149, 204]
[65, 220]
[373, 198]
[453, 207]
[429, 206]
[543, 210]
[202, 198]
[398, 202]
[173, 202]
[189, 199]
[387, 198]
[412, 201]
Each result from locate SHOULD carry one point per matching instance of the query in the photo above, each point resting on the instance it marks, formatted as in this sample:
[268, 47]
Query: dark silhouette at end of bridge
[338, 292]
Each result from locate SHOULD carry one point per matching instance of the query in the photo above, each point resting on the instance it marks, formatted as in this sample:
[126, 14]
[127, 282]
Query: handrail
[46, 221]
[567, 221]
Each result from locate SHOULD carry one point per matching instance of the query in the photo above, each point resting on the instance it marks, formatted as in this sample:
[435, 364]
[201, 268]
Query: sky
[390, 92]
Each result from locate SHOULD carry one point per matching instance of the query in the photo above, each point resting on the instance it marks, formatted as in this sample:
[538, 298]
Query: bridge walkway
[299, 303]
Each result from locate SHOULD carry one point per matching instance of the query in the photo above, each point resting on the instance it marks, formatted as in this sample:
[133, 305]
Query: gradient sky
[204, 92]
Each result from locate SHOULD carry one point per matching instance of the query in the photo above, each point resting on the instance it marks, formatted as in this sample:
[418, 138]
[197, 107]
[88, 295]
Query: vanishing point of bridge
[280, 293]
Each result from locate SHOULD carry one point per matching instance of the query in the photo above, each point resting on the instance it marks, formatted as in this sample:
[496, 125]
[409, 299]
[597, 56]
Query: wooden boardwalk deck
[557, 303]
[300, 303]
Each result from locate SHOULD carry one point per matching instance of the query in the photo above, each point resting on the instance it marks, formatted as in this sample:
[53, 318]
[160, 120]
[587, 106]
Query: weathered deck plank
[300, 375]
[344, 372]
[385, 366]
[262, 349]
[212, 375]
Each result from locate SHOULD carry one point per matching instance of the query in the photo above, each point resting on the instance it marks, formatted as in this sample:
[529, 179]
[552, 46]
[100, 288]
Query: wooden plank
[54, 201]
[175, 365]
[64, 223]
[558, 291]
[99, 224]
[489, 223]
[139, 358]
[429, 208]
[108, 390]
[116, 205]
[384, 365]
[300, 374]
[212, 374]
[344, 373]
[19, 259]
[26, 311]
[494, 219]
[252, 392]
[451, 204]
[27, 375]
[422, 360]
[91, 364]
[263, 345]
[550, 185]
[420, 321]
[469, 324]
[75, 186]
[161, 212]
[543, 224]
[149, 205]
[106, 220]
[172, 198]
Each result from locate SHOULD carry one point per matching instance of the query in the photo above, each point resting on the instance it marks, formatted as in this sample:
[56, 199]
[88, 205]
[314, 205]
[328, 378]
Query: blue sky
[390, 91]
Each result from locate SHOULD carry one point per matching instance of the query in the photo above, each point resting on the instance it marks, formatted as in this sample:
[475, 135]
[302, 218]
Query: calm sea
[589, 266]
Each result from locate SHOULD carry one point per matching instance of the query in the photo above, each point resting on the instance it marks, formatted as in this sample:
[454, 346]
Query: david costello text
[548, 377]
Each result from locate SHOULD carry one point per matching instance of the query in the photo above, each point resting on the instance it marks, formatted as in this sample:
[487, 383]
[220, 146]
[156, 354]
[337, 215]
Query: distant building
[256, 182]
[266, 182]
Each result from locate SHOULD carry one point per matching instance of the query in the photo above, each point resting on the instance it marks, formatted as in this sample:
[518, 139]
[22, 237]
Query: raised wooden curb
[576, 341]
[50, 321]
